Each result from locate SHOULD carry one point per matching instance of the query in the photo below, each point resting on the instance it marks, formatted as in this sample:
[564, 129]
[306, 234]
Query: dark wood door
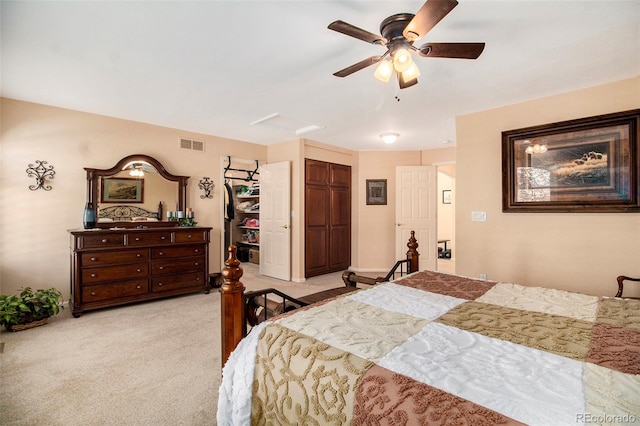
[327, 217]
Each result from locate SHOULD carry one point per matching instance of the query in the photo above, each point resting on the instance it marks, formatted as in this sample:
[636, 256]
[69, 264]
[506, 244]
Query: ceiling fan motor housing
[392, 28]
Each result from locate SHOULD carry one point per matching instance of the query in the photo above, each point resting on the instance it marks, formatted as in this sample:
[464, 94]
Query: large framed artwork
[122, 190]
[584, 165]
[376, 192]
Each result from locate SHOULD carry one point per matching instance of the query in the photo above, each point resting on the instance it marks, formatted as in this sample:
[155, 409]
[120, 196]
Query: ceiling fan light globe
[411, 73]
[384, 71]
[402, 60]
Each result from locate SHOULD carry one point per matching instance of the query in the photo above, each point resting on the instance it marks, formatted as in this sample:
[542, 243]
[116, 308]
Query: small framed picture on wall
[446, 196]
[377, 192]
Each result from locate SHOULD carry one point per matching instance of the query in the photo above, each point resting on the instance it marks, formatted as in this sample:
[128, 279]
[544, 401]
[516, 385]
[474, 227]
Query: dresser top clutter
[131, 252]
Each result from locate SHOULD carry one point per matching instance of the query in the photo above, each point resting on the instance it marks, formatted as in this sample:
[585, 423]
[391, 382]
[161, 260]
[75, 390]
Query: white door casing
[275, 220]
[416, 211]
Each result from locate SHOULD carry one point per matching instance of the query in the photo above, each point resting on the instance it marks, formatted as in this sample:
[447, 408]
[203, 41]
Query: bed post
[412, 253]
[231, 304]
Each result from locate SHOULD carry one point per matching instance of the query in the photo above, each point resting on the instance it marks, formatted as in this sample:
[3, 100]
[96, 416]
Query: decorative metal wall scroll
[41, 173]
[206, 185]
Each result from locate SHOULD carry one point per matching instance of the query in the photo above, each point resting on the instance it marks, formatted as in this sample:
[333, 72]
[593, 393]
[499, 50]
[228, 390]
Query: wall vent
[192, 144]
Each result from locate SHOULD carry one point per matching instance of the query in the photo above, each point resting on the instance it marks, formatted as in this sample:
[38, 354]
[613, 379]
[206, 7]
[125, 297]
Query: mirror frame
[94, 175]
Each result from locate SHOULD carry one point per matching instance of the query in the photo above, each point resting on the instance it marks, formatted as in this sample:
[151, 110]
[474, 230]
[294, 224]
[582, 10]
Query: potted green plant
[29, 309]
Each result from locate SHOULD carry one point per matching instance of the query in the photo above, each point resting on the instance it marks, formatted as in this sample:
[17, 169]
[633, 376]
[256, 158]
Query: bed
[434, 348]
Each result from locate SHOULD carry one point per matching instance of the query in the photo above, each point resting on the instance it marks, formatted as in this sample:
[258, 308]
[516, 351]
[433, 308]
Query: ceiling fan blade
[357, 67]
[431, 12]
[451, 50]
[359, 33]
[404, 84]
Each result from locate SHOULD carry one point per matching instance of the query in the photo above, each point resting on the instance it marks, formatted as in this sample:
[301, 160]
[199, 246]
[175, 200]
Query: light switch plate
[478, 216]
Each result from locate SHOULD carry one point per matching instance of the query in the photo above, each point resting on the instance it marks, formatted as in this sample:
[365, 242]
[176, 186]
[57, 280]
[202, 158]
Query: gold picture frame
[122, 190]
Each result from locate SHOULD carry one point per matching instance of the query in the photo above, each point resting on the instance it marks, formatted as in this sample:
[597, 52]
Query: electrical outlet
[483, 277]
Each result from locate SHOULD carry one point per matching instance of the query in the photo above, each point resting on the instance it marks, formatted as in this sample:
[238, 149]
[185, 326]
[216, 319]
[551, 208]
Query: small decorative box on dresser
[112, 267]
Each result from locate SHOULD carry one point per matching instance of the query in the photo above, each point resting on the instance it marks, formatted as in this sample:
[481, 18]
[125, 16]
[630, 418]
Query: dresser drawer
[108, 273]
[179, 251]
[97, 293]
[105, 240]
[149, 238]
[111, 257]
[191, 236]
[173, 266]
[173, 282]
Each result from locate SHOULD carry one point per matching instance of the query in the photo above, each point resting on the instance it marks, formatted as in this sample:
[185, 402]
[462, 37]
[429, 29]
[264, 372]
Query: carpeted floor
[154, 363]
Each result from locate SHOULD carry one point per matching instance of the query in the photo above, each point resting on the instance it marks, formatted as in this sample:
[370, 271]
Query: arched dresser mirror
[137, 188]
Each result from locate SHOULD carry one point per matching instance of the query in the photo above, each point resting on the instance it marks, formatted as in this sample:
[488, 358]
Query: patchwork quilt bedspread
[435, 348]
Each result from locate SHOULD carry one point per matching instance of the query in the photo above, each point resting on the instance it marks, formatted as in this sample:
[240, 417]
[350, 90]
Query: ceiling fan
[398, 33]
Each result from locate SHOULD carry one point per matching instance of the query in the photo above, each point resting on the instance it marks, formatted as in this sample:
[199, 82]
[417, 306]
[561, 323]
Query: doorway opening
[446, 223]
[240, 208]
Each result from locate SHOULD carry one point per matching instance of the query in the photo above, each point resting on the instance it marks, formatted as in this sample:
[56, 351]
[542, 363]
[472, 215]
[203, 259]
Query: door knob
[285, 226]
[399, 224]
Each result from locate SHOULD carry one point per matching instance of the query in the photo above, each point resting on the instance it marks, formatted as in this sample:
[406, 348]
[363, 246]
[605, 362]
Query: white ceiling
[214, 67]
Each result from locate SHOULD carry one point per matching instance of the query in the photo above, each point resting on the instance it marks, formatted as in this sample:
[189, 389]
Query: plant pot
[25, 326]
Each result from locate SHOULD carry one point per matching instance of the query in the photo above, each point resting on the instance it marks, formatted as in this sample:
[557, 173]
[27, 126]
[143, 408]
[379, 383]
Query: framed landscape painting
[122, 190]
[584, 165]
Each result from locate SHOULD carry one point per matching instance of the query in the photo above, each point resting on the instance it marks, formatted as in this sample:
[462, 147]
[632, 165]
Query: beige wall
[374, 237]
[534, 249]
[573, 251]
[34, 243]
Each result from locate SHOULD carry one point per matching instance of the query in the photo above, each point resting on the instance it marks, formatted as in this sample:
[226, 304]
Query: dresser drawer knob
[93, 275]
[196, 251]
[137, 238]
[138, 270]
[198, 279]
[138, 287]
[160, 284]
[161, 268]
[163, 238]
[93, 259]
[189, 236]
[139, 255]
[104, 240]
[196, 264]
[161, 254]
[93, 293]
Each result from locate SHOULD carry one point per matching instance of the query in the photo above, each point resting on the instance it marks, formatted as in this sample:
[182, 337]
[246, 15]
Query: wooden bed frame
[233, 300]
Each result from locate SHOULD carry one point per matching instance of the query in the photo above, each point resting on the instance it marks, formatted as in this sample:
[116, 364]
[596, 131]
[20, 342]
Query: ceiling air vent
[192, 144]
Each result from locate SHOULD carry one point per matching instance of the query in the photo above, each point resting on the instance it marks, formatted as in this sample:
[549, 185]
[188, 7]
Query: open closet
[242, 208]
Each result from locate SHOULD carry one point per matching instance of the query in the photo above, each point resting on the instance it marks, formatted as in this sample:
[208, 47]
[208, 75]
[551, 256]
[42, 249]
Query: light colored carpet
[154, 363]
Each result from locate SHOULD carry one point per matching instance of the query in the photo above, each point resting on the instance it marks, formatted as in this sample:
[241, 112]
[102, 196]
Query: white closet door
[275, 220]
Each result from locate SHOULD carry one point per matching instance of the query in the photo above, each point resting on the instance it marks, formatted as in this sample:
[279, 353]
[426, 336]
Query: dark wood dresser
[112, 267]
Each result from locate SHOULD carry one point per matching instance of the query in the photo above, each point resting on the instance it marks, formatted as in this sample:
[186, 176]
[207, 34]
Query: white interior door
[416, 211]
[275, 220]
